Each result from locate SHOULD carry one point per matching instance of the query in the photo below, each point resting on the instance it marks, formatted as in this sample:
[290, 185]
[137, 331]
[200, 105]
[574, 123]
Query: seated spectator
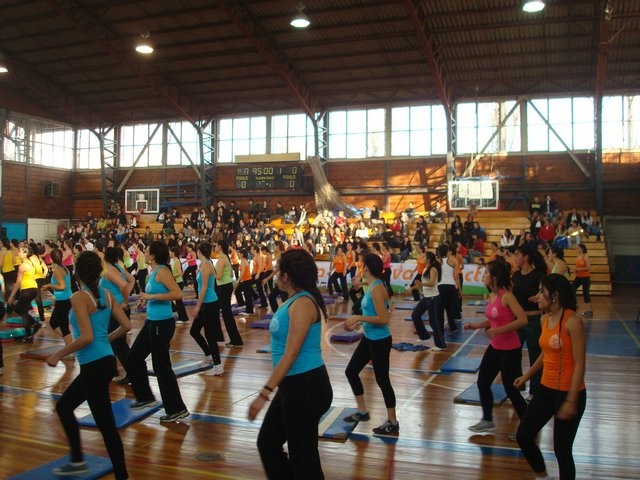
[375, 215]
[340, 220]
[507, 239]
[547, 233]
[574, 216]
[437, 213]
[405, 249]
[574, 233]
[477, 249]
[422, 236]
[396, 226]
[411, 212]
[302, 220]
[536, 224]
[362, 231]
[279, 210]
[468, 226]
[292, 215]
[477, 228]
[535, 207]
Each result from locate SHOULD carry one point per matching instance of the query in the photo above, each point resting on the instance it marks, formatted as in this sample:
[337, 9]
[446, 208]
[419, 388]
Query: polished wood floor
[434, 443]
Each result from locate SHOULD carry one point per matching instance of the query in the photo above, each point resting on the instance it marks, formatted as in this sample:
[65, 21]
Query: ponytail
[88, 268]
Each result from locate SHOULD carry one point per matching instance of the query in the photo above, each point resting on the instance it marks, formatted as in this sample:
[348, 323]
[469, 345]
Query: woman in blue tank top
[304, 391]
[207, 312]
[375, 347]
[155, 339]
[92, 307]
[61, 286]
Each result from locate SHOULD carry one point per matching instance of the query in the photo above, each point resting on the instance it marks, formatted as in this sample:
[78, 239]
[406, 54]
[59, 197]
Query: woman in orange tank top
[338, 274]
[583, 277]
[421, 265]
[562, 393]
[245, 294]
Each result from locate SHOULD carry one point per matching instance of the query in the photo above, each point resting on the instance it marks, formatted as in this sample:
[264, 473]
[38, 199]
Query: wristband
[264, 396]
[268, 388]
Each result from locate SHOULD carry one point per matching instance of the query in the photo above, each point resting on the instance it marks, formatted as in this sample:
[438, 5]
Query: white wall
[41, 229]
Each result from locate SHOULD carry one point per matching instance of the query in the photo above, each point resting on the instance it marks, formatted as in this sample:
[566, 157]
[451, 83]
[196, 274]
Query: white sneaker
[217, 370]
[436, 349]
[483, 426]
[206, 363]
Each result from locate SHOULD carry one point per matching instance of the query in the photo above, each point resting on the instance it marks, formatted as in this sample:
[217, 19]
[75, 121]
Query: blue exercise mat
[13, 321]
[333, 426]
[481, 310]
[329, 301]
[409, 347]
[98, 468]
[264, 349]
[425, 318]
[262, 323]
[185, 367]
[461, 364]
[404, 306]
[472, 395]
[11, 333]
[477, 303]
[348, 337]
[267, 315]
[123, 415]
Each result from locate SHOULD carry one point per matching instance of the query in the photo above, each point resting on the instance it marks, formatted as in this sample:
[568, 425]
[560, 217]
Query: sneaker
[207, 362]
[143, 404]
[72, 469]
[588, 313]
[436, 349]
[174, 417]
[215, 371]
[233, 345]
[387, 428]
[124, 381]
[483, 426]
[453, 332]
[357, 417]
[26, 339]
[512, 437]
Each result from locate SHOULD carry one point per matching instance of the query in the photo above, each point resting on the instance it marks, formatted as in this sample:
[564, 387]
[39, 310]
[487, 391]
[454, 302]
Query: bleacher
[494, 224]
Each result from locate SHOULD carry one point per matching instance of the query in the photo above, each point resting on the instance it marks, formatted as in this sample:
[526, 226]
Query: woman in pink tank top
[503, 355]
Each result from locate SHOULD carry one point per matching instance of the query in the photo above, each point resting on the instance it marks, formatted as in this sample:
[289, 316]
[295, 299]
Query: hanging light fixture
[144, 44]
[300, 20]
[533, 6]
[3, 65]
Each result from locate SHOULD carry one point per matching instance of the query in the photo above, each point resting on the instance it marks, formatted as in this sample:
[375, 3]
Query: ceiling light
[3, 65]
[533, 6]
[300, 20]
[144, 45]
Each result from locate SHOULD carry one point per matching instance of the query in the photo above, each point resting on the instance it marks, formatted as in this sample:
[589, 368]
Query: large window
[15, 139]
[357, 133]
[621, 123]
[477, 122]
[51, 144]
[292, 133]
[187, 136]
[241, 136]
[88, 152]
[571, 118]
[418, 131]
[133, 138]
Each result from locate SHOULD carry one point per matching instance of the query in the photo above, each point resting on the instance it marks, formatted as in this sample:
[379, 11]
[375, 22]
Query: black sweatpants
[190, 272]
[507, 363]
[224, 293]
[293, 417]
[25, 297]
[585, 282]
[341, 288]
[178, 307]
[449, 304]
[377, 352]
[260, 287]
[40, 283]
[60, 316]
[356, 295]
[245, 294]
[119, 345]
[416, 292]
[432, 305]
[208, 316]
[386, 279]
[92, 385]
[544, 405]
[155, 338]
[273, 298]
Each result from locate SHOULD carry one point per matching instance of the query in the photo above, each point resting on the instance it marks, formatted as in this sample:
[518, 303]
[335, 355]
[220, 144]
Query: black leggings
[386, 279]
[92, 385]
[356, 295]
[341, 288]
[40, 283]
[190, 272]
[209, 314]
[377, 352]
[119, 345]
[293, 417]
[245, 294]
[273, 298]
[60, 316]
[507, 363]
[224, 293]
[416, 292]
[261, 293]
[25, 297]
[430, 304]
[178, 306]
[448, 303]
[544, 405]
[141, 280]
[586, 286]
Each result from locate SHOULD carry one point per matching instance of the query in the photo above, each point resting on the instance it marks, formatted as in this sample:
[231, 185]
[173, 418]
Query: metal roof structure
[76, 58]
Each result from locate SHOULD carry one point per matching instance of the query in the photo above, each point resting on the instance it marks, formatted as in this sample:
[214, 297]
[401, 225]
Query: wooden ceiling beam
[255, 33]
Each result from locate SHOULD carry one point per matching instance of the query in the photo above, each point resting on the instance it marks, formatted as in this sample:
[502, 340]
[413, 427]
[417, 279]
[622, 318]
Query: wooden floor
[434, 440]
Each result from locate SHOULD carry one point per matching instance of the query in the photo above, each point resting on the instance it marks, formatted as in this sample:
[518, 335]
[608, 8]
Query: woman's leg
[435, 322]
[536, 416]
[386, 279]
[210, 313]
[489, 368]
[564, 434]
[343, 287]
[137, 367]
[179, 307]
[333, 283]
[40, 283]
[160, 334]
[510, 362]
[416, 317]
[225, 292]
[416, 292]
[360, 358]
[25, 298]
[380, 351]
[196, 330]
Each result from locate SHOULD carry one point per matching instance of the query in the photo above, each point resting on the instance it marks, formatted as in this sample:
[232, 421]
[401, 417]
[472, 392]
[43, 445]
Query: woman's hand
[52, 360]
[567, 410]
[520, 381]
[469, 326]
[10, 301]
[255, 407]
[490, 332]
[196, 311]
[146, 296]
[351, 323]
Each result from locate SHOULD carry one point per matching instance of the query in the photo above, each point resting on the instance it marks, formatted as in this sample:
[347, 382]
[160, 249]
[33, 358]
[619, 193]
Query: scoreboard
[269, 178]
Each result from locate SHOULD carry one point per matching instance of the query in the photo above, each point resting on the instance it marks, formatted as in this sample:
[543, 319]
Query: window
[14, 139]
[51, 144]
[187, 136]
[621, 123]
[89, 149]
[571, 118]
[357, 133]
[132, 141]
[292, 133]
[241, 136]
[418, 131]
[477, 122]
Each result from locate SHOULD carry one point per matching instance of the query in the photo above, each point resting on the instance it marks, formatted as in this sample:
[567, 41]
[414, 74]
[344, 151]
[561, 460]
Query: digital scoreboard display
[269, 178]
